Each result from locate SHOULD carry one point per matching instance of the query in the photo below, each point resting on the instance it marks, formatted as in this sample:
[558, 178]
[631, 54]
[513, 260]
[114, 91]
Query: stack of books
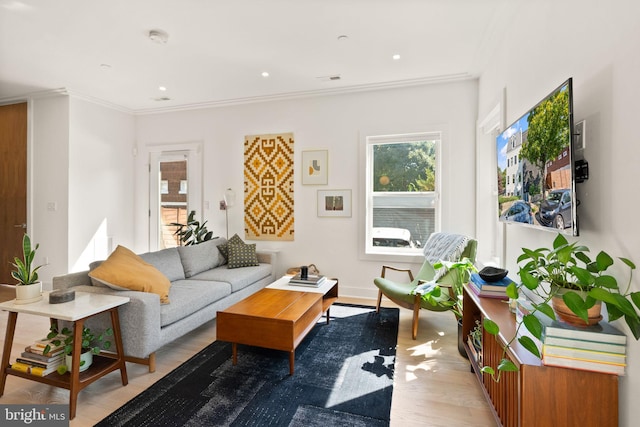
[35, 361]
[597, 348]
[483, 288]
[311, 280]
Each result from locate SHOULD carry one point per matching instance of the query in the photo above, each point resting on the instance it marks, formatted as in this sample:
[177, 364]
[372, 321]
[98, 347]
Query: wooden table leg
[328, 314]
[6, 352]
[292, 359]
[234, 353]
[117, 337]
[74, 384]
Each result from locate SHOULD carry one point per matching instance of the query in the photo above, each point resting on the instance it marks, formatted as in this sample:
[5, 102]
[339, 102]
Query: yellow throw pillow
[126, 270]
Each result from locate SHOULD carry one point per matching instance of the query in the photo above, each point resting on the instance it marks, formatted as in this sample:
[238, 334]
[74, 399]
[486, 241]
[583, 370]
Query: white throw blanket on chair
[444, 247]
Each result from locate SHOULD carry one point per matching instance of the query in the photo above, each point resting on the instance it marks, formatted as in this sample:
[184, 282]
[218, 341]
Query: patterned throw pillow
[224, 248]
[242, 255]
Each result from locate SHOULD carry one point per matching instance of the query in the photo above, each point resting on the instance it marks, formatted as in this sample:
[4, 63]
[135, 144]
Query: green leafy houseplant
[192, 232]
[25, 273]
[566, 271]
[458, 274]
[89, 342]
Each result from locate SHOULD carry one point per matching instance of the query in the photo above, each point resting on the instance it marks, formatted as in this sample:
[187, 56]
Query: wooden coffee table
[278, 319]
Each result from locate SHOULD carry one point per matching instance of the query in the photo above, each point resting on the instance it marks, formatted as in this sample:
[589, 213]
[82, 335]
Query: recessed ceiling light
[158, 36]
[265, 74]
[396, 57]
[342, 38]
[162, 88]
[105, 66]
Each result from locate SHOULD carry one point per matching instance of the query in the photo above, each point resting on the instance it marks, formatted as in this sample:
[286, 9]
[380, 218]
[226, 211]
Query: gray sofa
[201, 284]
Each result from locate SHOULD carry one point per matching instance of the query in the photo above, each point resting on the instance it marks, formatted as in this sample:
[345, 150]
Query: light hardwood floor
[432, 386]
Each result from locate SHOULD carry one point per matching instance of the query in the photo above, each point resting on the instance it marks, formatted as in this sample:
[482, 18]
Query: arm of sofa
[139, 318]
[70, 280]
[266, 256]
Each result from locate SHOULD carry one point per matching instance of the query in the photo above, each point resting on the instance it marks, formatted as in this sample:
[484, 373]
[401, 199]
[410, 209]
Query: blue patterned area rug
[343, 377]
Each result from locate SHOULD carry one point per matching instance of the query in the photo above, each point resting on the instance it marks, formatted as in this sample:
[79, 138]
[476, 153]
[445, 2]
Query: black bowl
[493, 274]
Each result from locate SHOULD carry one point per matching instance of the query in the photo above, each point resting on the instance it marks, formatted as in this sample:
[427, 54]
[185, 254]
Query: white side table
[77, 311]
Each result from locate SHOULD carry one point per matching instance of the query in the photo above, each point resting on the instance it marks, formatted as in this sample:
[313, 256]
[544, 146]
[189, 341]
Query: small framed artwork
[334, 203]
[314, 167]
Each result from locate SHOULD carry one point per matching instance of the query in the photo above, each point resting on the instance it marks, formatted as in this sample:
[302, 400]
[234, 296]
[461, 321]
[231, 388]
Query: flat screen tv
[536, 175]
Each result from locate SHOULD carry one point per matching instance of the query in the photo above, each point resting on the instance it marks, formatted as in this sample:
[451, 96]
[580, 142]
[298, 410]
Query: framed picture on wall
[334, 203]
[314, 167]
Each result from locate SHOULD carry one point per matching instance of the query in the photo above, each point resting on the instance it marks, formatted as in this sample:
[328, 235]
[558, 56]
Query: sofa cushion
[124, 270]
[242, 255]
[198, 258]
[167, 261]
[239, 278]
[189, 296]
[224, 248]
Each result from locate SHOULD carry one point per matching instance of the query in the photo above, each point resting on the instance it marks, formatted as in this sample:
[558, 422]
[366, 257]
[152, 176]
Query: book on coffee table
[311, 280]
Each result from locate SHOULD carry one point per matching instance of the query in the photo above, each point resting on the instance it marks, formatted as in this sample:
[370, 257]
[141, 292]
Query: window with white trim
[402, 187]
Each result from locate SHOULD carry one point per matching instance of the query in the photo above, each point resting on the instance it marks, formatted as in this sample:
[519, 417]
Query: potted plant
[458, 273]
[28, 288]
[89, 345]
[568, 285]
[192, 232]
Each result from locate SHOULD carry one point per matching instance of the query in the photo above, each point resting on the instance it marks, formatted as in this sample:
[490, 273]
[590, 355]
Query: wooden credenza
[535, 395]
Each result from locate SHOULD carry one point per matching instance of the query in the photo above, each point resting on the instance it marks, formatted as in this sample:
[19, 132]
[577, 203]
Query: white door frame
[192, 152]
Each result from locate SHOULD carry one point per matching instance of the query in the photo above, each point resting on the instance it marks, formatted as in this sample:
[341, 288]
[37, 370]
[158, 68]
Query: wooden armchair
[440, 246]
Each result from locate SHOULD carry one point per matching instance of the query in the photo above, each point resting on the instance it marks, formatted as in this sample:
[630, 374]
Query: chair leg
[416, 315]
[379, 301]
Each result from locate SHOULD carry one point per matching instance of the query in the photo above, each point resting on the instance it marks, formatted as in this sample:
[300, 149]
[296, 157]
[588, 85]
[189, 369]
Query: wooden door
[13, 185]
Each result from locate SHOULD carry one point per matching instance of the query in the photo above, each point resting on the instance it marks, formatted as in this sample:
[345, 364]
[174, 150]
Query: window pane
[173, 202]
[408, 166]
[402, 194]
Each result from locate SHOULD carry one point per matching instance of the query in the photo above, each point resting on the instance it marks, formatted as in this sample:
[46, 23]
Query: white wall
[48, 165]
[100, 182]
[81, 182]
[596, 43]
[335, 123]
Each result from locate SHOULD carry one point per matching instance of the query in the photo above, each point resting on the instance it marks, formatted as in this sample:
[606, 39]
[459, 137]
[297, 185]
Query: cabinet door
[505, 392]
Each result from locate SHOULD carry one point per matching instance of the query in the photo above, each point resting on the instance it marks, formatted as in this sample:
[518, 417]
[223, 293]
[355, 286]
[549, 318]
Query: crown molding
[449, 78]
[309, 94]
[63, 91]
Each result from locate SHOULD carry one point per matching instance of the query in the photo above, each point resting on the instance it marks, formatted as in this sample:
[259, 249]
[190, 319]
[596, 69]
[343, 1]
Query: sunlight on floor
[426, 356]
[343, 392]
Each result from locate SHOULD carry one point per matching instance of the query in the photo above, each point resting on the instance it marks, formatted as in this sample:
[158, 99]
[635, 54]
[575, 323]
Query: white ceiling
[218, 49]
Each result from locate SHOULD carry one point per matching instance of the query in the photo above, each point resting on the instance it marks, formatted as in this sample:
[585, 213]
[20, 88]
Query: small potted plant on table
[89, 345]
[28, 288]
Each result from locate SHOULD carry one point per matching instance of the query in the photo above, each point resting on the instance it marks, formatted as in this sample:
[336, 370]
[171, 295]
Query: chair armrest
[402, 270]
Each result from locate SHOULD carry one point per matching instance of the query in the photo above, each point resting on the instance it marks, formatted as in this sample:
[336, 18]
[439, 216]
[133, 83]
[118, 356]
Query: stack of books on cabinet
[486, 289]
[35, 361]
[597, 348]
